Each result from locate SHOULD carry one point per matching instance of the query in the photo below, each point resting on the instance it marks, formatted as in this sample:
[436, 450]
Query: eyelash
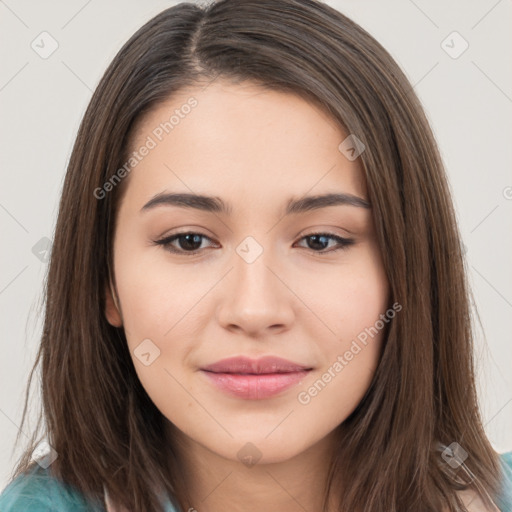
[344, 243]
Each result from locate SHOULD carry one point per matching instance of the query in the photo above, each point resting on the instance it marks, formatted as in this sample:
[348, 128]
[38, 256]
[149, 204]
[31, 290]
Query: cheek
[348, 299]
[159, 306]
[151, 294]
[349, 365]
[359, 314]
[362, 300]
[155, 315]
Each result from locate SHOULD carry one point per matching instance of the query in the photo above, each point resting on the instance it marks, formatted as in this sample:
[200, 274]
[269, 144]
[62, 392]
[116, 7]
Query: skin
[255, 149]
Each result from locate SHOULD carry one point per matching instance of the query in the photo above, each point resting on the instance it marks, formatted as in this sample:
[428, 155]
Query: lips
[245, 365]
[255, 379]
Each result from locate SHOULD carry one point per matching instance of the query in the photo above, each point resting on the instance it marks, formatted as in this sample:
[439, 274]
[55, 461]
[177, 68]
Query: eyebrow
[217, 205]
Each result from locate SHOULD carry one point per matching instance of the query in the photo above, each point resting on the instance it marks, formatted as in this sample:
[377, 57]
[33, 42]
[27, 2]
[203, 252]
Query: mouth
[255, 379]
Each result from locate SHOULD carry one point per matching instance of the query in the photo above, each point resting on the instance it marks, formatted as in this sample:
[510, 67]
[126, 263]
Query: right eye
[189, 241]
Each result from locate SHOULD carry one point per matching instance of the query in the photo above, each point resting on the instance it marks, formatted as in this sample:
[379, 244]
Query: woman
[257, 297]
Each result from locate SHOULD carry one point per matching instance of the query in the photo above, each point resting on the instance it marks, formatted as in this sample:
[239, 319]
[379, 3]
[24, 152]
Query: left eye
[191, 242]
[322, 240]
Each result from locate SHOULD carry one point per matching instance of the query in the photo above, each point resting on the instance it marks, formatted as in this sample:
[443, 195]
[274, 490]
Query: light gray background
[467, 99]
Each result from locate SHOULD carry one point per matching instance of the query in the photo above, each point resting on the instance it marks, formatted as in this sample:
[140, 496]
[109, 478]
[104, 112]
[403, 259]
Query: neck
[215, 483]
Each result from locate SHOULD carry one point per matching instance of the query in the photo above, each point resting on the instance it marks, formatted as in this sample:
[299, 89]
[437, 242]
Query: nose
[255, 298]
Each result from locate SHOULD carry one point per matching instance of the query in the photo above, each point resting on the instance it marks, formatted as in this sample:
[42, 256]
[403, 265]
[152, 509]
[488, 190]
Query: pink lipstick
[255, 379]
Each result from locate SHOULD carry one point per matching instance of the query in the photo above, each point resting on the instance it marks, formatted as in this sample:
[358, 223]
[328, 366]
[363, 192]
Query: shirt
[39, 491]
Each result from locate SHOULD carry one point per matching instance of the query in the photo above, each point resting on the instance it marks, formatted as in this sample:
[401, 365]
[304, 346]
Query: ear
[112, 311]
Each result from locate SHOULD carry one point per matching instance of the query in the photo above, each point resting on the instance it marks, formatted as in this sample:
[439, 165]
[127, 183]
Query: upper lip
[267, 364]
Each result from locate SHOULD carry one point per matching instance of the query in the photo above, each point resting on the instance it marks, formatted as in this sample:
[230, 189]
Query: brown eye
[188, 243]
[318, 242]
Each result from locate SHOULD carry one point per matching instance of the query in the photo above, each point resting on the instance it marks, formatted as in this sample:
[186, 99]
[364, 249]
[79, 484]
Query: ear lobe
[112, 312]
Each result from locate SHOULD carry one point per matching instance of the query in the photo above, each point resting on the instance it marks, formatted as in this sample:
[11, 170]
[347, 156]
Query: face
[198, 283]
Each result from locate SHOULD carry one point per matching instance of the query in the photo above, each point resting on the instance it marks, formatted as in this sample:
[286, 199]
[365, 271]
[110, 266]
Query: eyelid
[166, 241]
[343, 242]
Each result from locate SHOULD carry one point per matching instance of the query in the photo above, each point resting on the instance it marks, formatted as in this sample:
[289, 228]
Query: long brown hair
[98, 417]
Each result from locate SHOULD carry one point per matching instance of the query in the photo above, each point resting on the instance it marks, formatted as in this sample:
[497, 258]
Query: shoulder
[474, 503]
[505, 500]
[37, 490]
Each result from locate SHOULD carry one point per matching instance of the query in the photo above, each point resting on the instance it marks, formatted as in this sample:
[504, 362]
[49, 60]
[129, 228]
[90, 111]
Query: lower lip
[255, 387]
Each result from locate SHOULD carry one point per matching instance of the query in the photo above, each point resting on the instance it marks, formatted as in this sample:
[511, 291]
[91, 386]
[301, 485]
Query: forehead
[241, 142]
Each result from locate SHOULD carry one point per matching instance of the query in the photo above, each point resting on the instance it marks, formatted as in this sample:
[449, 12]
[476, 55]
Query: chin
[257, 448]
